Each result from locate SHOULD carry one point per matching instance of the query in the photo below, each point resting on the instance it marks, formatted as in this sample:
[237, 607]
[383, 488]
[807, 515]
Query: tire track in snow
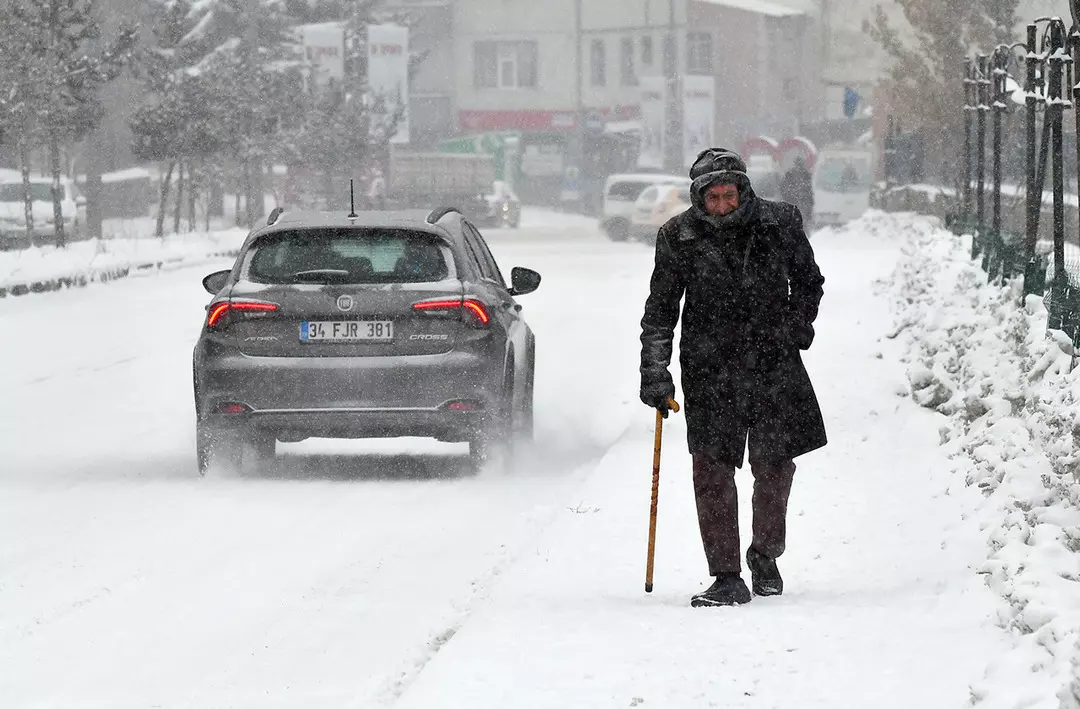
[483, 585]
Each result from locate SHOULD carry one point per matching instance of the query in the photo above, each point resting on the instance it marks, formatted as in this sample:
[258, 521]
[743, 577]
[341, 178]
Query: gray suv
[381, 324]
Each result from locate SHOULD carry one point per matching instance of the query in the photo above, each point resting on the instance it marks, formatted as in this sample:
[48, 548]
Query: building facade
[565, 71]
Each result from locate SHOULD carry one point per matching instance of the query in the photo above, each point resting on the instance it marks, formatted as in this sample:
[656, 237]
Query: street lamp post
[673, 156]
[1056, 110]
[999, 62]
[970, 101]
[983, 96]
[1031, 101]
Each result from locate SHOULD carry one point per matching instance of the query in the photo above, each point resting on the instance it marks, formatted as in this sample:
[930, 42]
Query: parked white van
[621, 192]
[842, 182]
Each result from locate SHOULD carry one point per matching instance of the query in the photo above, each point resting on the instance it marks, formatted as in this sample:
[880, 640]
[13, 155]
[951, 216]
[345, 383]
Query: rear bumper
[298, 424]
[359, 397]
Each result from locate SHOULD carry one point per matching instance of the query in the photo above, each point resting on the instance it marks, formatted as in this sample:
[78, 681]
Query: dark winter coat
[751, 297]
[797, 188]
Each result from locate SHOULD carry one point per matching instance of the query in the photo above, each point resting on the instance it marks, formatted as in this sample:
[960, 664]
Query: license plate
[347, 331]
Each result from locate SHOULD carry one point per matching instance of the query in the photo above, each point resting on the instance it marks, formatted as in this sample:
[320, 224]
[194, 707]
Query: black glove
[658, 395]
[801, 335]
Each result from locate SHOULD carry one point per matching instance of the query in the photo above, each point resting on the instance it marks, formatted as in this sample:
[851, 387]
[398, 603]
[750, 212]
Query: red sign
[537, 120]
[323, 52]
[517, 120]
[387, 50]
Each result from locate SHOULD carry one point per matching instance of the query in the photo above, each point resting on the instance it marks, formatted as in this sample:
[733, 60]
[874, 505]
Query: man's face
[721, 200]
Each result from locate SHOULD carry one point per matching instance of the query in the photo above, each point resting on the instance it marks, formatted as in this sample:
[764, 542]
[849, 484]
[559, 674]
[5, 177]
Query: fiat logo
[345, 303]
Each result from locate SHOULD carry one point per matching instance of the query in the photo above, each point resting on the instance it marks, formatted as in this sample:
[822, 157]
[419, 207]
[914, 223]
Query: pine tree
[182, 125]
[248, 49]
[19, 77]
[60, 62]
[226, 81]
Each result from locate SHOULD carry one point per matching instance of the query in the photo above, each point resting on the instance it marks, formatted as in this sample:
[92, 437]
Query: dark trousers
[718, 510]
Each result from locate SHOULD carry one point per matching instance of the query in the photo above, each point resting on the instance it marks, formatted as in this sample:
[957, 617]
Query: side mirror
[216, 281]
[523, 281]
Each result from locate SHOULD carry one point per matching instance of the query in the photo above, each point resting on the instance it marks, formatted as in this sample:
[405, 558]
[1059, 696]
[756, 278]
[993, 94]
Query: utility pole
[575, 147]
[673, 155]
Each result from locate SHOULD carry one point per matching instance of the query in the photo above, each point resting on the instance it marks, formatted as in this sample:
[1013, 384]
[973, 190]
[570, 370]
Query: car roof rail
[440, 212]
[278, 211]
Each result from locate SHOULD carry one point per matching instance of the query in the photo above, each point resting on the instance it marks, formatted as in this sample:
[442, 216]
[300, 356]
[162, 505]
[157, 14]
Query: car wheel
[525, 420]
[260, 451]
[618, 230]
[496, 439]
[234, 452]
[217, 449]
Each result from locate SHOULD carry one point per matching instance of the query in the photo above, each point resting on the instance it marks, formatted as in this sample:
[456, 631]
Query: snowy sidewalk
[883, 607]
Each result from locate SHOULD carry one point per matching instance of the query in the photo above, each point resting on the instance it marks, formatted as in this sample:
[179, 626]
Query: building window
[647, 51]
[627, 74]
[671, 54]
[485, 65]
[699, 53]
[598, 62]
[505, 65]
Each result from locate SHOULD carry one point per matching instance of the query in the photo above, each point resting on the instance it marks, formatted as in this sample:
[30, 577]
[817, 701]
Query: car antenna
[352, 202]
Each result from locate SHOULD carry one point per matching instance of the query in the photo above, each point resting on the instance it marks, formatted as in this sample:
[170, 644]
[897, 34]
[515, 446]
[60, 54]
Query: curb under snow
[1012, 426]
[42, 270]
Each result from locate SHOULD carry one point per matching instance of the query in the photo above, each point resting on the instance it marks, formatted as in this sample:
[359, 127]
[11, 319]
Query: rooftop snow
[761, 7]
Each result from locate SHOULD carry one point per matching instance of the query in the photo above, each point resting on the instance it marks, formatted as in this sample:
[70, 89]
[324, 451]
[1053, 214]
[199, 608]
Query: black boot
[765, 577]
[727, 590]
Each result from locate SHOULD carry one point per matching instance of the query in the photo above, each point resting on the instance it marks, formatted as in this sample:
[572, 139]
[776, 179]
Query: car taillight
[465, 405]
[216, 315]
[471, 306]
[232, 407]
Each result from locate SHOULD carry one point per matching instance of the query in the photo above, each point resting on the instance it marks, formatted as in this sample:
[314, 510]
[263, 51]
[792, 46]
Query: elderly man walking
[752, 289]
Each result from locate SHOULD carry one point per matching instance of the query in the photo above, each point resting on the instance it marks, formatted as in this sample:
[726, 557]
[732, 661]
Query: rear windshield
[628, 191]
[349, 256]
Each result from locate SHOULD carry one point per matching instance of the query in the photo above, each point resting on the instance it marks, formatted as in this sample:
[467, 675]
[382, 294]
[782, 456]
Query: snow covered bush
[1011, 422]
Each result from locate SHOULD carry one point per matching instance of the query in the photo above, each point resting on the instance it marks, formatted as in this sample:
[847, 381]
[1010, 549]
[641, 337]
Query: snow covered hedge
[1012, 424]
[43, 269]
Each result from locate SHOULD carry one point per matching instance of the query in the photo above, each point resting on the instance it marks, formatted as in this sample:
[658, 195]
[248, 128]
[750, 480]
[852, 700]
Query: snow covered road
[374, 575]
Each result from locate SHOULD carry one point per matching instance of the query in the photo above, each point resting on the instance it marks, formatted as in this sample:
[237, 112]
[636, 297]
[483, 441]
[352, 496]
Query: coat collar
[691, 227]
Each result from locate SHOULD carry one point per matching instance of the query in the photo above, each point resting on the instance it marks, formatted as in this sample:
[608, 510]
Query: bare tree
[925, 79]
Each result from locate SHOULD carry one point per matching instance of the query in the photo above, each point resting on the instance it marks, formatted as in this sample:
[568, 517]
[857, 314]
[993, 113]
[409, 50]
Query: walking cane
[674, 405]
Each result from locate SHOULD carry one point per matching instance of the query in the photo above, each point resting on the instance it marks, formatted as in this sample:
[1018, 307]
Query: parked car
[621, 192]
[13, 232]
[385, 324]
[655, 207]
[504, 207]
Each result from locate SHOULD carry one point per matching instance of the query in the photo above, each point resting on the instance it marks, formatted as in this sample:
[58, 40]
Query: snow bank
[1011, 424]
[41, 269]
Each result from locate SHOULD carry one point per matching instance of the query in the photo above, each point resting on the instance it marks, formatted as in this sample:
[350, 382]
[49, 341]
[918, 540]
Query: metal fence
[1048, 59]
